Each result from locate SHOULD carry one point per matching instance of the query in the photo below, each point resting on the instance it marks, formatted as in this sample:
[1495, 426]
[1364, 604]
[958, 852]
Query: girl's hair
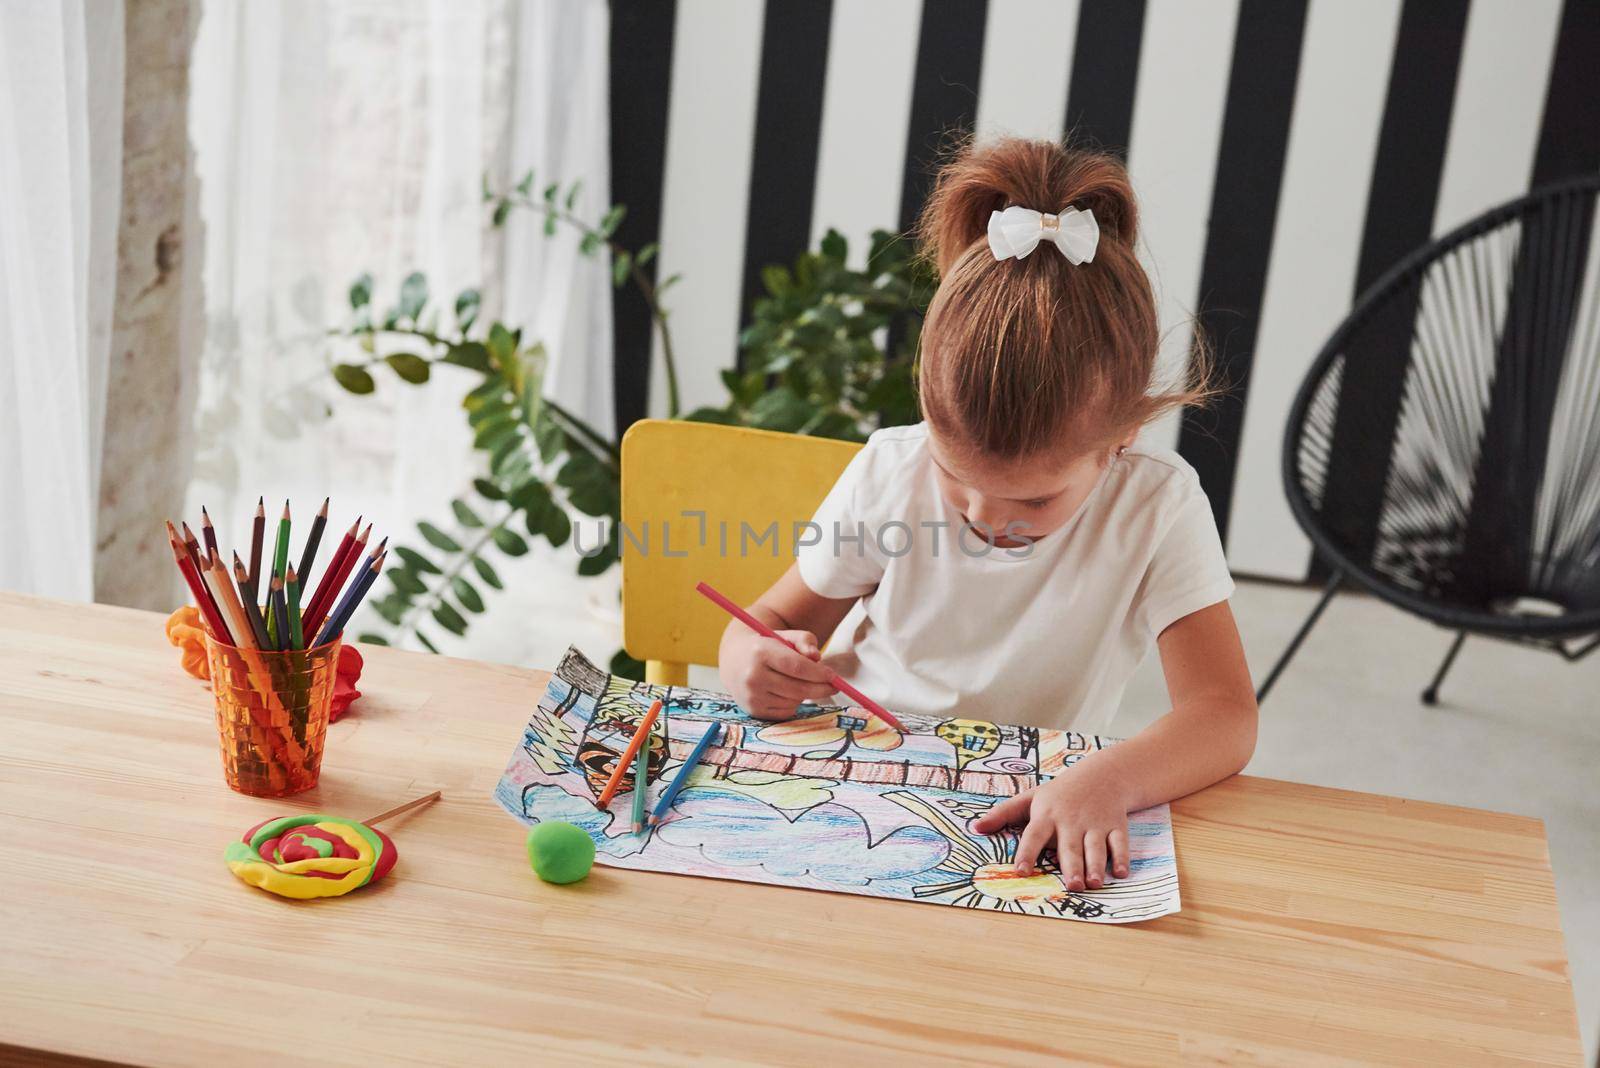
[1038, 355]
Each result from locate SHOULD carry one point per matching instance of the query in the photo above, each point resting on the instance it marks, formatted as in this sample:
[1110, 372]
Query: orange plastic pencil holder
[272, 714]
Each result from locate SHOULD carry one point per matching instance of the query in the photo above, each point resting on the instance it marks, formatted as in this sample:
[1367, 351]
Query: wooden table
[1318, 925]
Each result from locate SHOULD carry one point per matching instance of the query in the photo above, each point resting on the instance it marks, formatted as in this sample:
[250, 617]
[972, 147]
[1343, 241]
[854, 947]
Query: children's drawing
[833, 799]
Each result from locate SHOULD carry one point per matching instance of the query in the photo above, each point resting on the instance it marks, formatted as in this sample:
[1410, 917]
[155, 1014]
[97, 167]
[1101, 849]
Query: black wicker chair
[1444, 449]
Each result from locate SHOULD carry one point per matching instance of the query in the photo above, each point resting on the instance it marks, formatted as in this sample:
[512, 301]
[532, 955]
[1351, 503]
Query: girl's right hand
[768, 678]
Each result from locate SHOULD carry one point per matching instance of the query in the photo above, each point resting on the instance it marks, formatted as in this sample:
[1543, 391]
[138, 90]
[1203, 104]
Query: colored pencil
[767, 632]
[192, 544]
[252, 610]
[258, 533]
[347, 607]
[327, 589]
[309, 554]
[685, 769]
[641, 779]
[197, 588]
[208, 532]
[277, 626]
[311, 625]
[222, 589]
[639, 735]
[336, 580]
[280, 609]
[291, 592]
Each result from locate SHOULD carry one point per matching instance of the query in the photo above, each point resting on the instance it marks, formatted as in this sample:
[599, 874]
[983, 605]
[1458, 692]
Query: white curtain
[337, 138]
[60, 197]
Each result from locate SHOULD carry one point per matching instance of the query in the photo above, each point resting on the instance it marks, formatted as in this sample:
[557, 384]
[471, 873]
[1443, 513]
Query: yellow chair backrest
[708, 503]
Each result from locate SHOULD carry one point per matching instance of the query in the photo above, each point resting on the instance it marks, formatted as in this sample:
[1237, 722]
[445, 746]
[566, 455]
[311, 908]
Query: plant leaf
[509, 542]
[647, 254]
[467, 303]
[448, 618]
[467, 594]
[621, 264]
[465, 515]
[557, 527]
[413, 295]
[415, 561]
[438, 538]
[613, 219]
[572, 194]
[626, 667]
[409, 366]
[406, 582]
[525, 186]
[488, 490]
[501, 210]
[372, 639]
[486, 572]
[426, 644]
[361, 292]
[354, 378]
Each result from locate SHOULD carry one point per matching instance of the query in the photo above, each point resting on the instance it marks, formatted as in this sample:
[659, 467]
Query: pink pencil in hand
[767, 632]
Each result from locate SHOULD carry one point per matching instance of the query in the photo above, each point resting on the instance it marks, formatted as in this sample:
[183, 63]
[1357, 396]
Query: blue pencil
[690, 762]
[347, 605]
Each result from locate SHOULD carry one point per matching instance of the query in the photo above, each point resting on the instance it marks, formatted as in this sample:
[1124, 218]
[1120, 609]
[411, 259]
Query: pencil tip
[365, 534]
[324, 512]
[286, 508]
[289, 575]
[261, 507]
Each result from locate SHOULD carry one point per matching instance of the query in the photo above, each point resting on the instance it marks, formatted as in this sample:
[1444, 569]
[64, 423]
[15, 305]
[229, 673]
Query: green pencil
[277, 628]
[641, 779]
[291, 588]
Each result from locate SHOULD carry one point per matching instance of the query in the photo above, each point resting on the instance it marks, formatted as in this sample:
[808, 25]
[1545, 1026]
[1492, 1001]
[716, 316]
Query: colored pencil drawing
[831, 800]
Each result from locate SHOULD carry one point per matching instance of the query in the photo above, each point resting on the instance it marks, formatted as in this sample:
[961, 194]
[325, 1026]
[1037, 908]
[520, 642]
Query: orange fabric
[185, 630]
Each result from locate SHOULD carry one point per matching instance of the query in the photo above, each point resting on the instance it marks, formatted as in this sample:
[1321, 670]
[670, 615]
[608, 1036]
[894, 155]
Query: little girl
[1014, 556]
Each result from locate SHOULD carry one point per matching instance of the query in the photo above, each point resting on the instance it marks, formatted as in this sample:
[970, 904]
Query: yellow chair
[718, 504]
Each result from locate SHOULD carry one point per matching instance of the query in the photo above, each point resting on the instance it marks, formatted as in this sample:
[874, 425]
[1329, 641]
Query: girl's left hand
[1084, 811]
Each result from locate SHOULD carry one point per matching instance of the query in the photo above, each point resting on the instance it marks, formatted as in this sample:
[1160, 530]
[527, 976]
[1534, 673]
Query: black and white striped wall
[1285, 153]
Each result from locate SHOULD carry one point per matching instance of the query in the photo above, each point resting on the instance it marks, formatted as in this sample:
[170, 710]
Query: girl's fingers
[794, 691]
[1118, 839]
[1094, 859]
[1069, 850]
[785, 660]
[804, 641]
[774, 706]
[1030, 844]
[1011, 810]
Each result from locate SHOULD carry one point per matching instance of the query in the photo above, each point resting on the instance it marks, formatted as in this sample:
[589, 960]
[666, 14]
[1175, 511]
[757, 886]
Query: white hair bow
[1016, 232]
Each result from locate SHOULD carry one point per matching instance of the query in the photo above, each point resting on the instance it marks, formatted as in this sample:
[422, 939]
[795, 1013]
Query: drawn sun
[982, 872]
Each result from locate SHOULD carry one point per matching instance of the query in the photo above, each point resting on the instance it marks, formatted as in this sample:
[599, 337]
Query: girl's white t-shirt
[948, 625]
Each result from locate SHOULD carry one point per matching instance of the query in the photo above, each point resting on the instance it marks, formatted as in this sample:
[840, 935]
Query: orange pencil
[626, 760]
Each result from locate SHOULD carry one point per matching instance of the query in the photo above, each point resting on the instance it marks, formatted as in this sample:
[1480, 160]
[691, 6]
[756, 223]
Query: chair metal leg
[1430, 696]
[1305, 628]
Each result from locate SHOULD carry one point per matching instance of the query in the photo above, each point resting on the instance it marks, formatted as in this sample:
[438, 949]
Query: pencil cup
[272, 714]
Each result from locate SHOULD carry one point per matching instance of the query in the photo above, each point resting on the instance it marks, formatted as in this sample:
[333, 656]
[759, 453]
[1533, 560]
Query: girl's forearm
[1185, 750]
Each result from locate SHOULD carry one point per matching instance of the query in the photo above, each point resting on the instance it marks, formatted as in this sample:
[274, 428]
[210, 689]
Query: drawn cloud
[829, 842]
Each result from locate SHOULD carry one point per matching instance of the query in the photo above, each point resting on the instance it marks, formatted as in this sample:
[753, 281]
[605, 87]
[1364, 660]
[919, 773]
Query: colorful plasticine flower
[185, 630]
[850, 726]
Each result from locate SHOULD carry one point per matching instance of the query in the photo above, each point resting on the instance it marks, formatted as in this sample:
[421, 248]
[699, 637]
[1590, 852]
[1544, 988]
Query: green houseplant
[829, 351]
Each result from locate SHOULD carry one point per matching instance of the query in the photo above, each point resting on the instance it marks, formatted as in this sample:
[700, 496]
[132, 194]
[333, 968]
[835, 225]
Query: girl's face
[1033, 495]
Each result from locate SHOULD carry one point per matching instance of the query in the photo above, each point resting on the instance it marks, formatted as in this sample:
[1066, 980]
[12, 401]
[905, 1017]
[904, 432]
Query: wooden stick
[407, 807]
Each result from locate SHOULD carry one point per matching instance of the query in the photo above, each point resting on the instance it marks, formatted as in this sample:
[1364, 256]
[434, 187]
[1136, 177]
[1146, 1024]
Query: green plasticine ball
[560, 852]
